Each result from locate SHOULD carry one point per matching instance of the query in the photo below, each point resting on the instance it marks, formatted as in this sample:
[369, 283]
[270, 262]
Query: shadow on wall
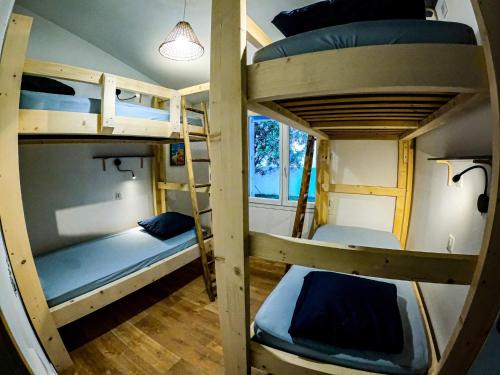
[68, 198]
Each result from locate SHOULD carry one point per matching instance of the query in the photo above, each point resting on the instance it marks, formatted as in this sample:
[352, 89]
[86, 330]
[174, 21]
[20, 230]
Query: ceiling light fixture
[182, 44]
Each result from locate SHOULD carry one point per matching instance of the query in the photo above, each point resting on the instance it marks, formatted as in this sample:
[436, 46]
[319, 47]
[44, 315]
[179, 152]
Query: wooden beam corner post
[108, 102]
[228, 138]
[322, 185]
[13, 223]
[483, 302]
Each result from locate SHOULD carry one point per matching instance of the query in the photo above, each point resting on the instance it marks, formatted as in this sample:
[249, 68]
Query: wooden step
[201, 160]
[196, 110]
[202, 185]
[208, 237]
[205, 211]
[201, 135]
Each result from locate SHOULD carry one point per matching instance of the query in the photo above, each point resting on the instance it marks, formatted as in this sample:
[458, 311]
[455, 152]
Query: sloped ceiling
[132, 30]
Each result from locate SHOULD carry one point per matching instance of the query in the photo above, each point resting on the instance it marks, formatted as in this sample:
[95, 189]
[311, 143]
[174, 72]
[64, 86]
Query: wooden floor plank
[168, 327]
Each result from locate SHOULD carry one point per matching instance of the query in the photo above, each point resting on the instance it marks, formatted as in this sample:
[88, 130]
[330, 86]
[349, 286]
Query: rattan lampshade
[182, 44]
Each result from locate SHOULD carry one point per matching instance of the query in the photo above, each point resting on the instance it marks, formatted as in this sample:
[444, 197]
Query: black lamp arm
[457, 177]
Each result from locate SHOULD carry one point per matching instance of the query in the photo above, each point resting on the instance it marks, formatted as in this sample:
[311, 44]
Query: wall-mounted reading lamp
[118, 162]
[483, 199]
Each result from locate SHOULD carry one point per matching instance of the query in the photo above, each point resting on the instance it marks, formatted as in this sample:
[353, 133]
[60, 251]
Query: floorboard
[168, 327]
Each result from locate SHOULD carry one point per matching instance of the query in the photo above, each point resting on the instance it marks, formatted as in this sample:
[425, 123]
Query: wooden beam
[284, 116]
[181, 187]
[61, 71]
[195, 89]
[13, 224]
[321, 206]
[441, 68]
[141, 87]
[367, 190]
[403, 152]
[371, 100]
[39, 121]
[429, 267]
[482, 302]
[408, 193]
[228, 121]
[256, 36]
[451, 110]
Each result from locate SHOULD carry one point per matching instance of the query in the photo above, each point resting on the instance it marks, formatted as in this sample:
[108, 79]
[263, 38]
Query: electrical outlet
[118, 196]
[450, 245]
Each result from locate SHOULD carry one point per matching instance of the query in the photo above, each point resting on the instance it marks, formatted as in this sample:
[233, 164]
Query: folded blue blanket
[348, 311]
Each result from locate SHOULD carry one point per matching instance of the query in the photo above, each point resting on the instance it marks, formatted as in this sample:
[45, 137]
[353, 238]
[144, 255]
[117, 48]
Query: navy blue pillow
[348, 312]
[167, 225]
[44, 84]
[337, 12]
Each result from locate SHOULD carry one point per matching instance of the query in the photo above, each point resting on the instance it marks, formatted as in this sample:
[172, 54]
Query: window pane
[264, 169]
[296, 158]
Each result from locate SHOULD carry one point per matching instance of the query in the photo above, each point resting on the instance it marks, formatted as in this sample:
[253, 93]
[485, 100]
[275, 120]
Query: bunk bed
[380, 91]
[62, 286]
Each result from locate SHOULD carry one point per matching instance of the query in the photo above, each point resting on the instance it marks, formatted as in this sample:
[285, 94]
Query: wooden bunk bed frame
[321, 94]
[71, 127]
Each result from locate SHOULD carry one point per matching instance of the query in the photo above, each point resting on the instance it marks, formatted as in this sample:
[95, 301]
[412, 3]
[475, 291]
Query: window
[276, 162]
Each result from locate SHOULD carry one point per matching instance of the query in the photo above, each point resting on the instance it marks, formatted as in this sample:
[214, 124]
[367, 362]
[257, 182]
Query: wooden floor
[169, 327]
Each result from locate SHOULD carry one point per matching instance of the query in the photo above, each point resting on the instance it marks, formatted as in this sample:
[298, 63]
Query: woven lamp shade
[182, 44]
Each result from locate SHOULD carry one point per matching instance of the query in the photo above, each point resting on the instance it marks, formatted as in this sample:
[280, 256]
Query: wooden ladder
[300, 213]
[206, 254]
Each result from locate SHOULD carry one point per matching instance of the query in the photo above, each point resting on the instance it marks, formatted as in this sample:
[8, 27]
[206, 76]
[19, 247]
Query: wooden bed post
[158, 174]
[11, 205]
[405, 181]
[483, 302]
[322, 185]
[228, 121]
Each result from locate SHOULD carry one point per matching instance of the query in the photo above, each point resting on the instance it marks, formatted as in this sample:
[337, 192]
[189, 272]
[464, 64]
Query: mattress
[68, 103]
[273, 318]
[74, 270]
[369, 33]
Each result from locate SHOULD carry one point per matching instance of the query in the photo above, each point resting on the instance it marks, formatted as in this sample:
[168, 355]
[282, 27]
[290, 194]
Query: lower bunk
[276, 351]
[82, 278]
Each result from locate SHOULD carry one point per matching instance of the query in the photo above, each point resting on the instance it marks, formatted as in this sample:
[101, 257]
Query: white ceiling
[132, 30]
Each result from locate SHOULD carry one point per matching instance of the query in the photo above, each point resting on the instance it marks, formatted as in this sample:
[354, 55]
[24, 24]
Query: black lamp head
[483, 199]
[117, 162]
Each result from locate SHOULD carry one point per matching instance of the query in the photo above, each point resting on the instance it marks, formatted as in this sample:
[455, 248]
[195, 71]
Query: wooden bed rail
[195, 89]
[388, 263]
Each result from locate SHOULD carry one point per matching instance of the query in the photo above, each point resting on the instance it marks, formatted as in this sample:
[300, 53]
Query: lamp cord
[475, 167]
[184, 14]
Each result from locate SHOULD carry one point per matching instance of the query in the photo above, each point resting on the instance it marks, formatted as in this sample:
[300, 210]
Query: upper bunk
[369, 80]
[45, 115]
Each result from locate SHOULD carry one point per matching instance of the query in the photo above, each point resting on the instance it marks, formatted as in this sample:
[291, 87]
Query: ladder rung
[197, 134]
[208, 237]
[201, 160]
[196, 110]
[202, 185]
[205, 211]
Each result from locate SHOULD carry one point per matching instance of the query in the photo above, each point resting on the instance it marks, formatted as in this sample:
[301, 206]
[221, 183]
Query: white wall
[363, 162]
[68, 198]
[440, 210]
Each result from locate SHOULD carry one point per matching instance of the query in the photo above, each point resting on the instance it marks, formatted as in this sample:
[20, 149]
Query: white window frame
[283, 201]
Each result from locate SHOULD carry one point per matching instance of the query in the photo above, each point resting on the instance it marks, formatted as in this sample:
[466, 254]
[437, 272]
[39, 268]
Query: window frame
[284, 140]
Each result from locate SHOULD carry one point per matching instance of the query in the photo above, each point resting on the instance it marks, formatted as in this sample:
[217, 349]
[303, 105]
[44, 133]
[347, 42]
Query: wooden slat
[362, 105]
[443, 115]
[256, 36]
[13, 224]
[421, 68]
[389, 263]
[353, 111]
[84, 304]
[181, 187]
[62, 71]
[367, 190]
[228, 121]
[134, 85]
[38, 121]
[402, 179]
[370, 100]
[140, 127]
[284, 116]
[195, 89]
[367, 126]
[482, 304]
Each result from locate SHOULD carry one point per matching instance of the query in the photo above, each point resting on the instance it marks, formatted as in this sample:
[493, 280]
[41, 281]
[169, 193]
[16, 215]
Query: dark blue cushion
[348, 312]
[44, 84]
[338, 12]
[167, 225]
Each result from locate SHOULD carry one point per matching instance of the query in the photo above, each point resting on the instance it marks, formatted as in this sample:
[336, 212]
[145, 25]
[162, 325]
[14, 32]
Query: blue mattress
[369, 33]
[78, 269]
[68, 103]
[273, 318]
